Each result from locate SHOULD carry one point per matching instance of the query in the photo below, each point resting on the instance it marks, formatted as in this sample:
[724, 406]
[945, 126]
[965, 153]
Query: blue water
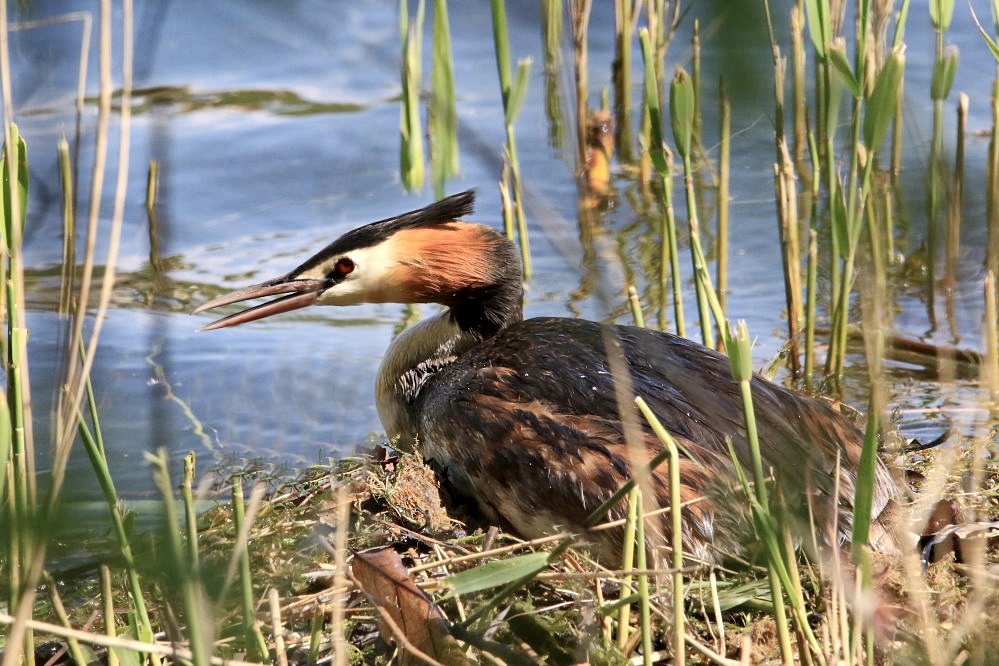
[249, 186]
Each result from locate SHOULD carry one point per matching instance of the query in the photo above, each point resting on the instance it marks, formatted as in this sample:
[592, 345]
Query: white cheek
[371, 281]
[349, 292]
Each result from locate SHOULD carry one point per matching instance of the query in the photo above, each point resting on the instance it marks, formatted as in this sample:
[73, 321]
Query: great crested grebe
[521, 415]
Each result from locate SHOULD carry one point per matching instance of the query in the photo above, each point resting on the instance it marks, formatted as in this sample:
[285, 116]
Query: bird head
[424, 256]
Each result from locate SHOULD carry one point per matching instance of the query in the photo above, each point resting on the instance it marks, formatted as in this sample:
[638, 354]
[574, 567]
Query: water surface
[275, 126]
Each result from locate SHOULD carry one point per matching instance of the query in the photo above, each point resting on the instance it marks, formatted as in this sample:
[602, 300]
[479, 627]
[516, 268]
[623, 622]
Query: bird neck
[475, 272]
[416, 355]
[470, 268]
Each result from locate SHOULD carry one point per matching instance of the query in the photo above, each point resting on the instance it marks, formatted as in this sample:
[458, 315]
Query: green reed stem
[107, 601]
[443, 109]
[256, 645]
[810, 307]
[93, 444]
[644, 606]
[990, 332]
[682, 105]
[68, 229]
[625, 19]
[695, 80]
[676, 529]
[636, 307]
[863, 497]
[316, 633]
[551, 28]
[579, 17]
[410, 126]
[200, 618]
[6, 452]
[956, 197]
[60, 612]
[944, 67]
[25, 546]
[799, 84]
[153, 229]
[896, 133]
[740, 363]
[190, 511]
[786, 189]
[992, 184]
[513, 92]
[724, 178]
[628, 547]
[669, 255]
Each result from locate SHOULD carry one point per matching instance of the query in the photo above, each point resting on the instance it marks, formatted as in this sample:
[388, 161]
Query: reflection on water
[275, 129]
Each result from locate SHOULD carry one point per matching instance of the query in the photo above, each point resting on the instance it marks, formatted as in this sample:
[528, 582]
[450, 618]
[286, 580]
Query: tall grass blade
[496, 573]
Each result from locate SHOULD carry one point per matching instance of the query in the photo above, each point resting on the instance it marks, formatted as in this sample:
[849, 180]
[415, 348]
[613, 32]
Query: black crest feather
[440, 212]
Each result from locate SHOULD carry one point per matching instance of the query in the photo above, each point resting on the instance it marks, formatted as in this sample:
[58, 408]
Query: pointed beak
[300, 293]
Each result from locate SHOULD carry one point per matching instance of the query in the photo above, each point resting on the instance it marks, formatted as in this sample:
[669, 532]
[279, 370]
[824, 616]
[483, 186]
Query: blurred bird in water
[599, 151]
[520, 416]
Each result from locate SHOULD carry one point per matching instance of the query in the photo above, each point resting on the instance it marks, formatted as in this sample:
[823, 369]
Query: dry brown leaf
[406, 612]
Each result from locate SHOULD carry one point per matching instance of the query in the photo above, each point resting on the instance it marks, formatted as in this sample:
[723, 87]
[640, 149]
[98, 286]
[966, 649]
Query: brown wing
[539, 471]
[529, 419]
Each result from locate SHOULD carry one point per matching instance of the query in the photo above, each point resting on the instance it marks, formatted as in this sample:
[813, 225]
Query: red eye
[344, 267]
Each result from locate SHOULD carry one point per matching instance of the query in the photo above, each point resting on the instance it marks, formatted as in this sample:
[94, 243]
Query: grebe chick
[521, 416]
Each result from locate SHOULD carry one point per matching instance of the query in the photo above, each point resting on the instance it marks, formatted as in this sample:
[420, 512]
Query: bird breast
[417, 354]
